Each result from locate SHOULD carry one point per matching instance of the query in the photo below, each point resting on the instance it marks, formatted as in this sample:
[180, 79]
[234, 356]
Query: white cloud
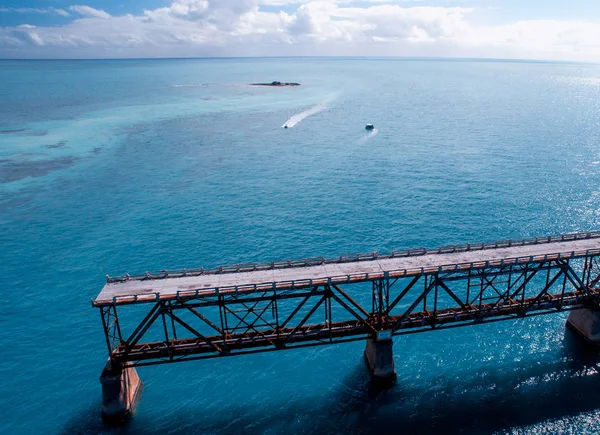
[281, 2]
[297, 2]
[328, 27]
[35, 38]
[47, 11]
[88, 11]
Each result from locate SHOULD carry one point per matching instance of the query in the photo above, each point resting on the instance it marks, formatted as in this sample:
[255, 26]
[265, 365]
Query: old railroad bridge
[235, 310]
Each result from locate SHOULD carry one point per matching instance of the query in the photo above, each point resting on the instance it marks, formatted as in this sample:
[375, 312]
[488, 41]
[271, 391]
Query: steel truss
[223, 324]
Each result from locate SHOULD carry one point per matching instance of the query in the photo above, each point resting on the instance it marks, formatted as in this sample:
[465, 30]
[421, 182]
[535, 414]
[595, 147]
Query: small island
[275, 84]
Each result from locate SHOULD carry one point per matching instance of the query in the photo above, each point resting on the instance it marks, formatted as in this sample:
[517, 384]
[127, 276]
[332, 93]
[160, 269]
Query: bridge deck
[287, 275]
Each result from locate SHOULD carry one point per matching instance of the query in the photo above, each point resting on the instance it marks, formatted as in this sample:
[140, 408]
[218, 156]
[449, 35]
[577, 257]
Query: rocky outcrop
[275, 84]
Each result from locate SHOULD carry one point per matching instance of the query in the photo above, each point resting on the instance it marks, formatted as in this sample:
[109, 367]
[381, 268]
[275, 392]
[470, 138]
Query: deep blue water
[128, 166]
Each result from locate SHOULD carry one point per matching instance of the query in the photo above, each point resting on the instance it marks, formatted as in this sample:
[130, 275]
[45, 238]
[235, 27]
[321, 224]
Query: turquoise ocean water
[128, 166]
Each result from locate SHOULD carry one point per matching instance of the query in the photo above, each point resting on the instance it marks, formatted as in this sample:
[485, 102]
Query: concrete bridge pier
[379, 356]
[586, 322]
[121, 387]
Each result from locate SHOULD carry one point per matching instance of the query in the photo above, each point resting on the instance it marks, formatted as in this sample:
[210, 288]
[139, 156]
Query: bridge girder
[215, 325]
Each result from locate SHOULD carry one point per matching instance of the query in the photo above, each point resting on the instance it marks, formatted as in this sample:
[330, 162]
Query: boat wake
[189, 85]
[295, 119]
[365, 138]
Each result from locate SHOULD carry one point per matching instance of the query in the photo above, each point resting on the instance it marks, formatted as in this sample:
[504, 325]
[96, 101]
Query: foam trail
[363, 139]
[295, 119]
[190, 85]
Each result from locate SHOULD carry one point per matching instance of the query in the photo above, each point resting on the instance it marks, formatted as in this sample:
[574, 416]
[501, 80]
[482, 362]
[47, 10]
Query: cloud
[297, 2]
[281, 2]
[35, 38]
[327, 27]
[88, 11]
[47, 11]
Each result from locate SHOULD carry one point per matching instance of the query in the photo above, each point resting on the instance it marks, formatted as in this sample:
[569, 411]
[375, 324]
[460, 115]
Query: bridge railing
[347, 279]
[315, 261]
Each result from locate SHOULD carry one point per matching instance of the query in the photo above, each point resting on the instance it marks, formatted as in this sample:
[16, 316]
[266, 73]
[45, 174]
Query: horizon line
[430, 58]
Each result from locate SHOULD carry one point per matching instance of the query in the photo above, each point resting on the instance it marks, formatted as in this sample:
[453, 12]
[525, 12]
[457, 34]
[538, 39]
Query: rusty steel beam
[302, 334]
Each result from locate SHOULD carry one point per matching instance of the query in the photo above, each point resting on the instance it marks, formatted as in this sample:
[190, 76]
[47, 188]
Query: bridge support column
[380, 357]
[586, 322]
[120, 391]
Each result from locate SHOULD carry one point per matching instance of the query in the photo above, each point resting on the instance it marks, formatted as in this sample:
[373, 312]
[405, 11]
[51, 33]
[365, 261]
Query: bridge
[191, 314]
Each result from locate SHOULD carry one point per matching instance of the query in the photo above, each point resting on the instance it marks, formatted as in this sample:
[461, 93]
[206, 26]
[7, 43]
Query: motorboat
[369, 127]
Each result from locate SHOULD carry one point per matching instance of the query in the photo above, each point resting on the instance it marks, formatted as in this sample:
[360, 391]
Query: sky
[517, 29]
